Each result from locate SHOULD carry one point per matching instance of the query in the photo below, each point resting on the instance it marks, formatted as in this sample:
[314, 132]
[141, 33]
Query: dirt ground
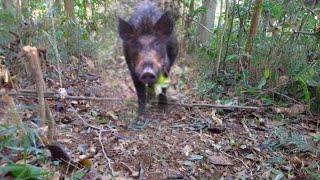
[175, 143]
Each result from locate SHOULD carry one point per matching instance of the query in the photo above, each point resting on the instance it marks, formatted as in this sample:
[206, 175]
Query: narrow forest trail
[176, 143]
[269, 53]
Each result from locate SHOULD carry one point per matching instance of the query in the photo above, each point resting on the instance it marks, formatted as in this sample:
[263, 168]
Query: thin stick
[89, 125]
[218, 106]
[235, 158]
[125, 165]
[141, 171]
[206, 28]
[57, 97]
[306, 33]
[280, 94]
[32, 91]
[105, 154]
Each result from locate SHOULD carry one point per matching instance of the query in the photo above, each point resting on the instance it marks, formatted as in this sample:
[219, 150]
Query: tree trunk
[92, 8]
[220, 47]
[190, 15]
[18, 6]
[170, 5]
[69, 8]
[57, 4]
[24, 7]
[230, 32]
[7, 4]
[207, 20]
[253, 32]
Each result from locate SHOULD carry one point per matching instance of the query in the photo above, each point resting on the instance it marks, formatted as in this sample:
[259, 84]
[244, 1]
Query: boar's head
[145, 46]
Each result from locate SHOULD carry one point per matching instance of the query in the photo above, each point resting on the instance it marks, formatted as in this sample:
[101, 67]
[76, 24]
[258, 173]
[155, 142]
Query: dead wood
[34, 65]
[50, 95]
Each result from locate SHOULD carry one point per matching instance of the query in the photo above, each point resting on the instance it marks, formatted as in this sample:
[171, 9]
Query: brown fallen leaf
[86, 162]
[215, 119]
[283, 80]
[220, 160]
[112, 115]
[291, 111]
[4, 74]
[90, 63]
[297, 162]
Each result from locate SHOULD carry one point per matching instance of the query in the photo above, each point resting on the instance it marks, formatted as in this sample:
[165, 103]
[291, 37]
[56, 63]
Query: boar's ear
[126, 31]
[164, 25]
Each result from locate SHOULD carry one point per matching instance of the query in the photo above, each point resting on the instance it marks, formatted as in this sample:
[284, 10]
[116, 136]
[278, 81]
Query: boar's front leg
[163, 97]
[141, 93]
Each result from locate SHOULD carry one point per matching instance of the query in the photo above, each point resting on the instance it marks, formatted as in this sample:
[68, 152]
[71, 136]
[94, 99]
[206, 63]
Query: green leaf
[59, 34]
[231, 57]
[316, 138]
[267, 73]
[161, 82]
[23, 171]
[306, 92]
[262, 83]
[313, 173]
[79, 174]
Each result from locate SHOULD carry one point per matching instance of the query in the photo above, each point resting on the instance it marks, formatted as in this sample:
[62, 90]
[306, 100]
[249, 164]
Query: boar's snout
[148, 76]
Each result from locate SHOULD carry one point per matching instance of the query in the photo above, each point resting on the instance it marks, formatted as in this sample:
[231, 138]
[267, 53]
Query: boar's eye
[126, 30]
[164, 25]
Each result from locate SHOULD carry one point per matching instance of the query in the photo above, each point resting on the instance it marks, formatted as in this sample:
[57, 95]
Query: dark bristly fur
[149, 45]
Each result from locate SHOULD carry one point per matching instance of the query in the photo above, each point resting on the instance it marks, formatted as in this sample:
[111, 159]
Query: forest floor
[180, 142]
[177, 142]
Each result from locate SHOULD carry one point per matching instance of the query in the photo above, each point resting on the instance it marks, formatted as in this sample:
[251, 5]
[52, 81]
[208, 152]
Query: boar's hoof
[139, 123]
[162, 100]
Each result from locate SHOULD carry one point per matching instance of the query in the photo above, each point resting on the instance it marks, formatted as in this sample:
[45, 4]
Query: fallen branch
[50, 95]
[306, 33]
[105, 154]
[217, 106]
[89, 125]
[234, 158]
[283, 95]
[313, 11]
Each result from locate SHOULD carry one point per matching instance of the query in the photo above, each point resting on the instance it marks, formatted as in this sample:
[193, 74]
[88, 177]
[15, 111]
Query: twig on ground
[306, 33]
[218, 106]
[141, 170]
[70, 165]
[234, 158]
[50, 95]
[246, 129]
[105, 154]
[313, 11]
[32, 91]
[89, 125]
[125, 165]
[245, 137]
[283, 95]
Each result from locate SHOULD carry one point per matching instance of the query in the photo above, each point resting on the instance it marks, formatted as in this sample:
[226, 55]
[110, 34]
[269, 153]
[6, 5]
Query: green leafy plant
[292, 142]
[24, 171]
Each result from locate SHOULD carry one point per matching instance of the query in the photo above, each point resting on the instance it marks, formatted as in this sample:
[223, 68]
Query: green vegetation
[261, 53]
